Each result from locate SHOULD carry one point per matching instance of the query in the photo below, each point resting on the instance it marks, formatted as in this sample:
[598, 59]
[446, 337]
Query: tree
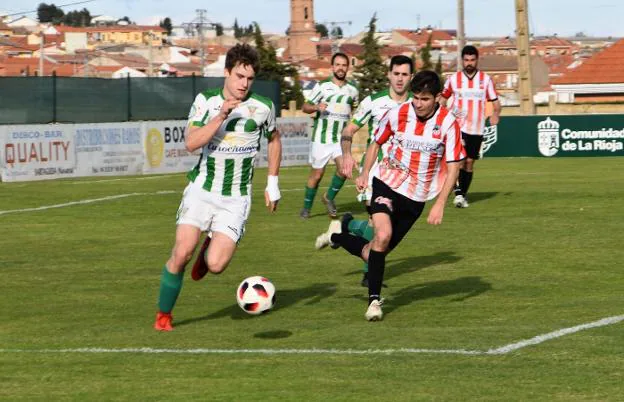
[80, 18]
[438, 69]
[219, 29]
[272, 70]
[371, 73]
[337, 33]
[49, 13]
[321, 29]
[127, 19]
[238, 32]
[167, 25]
[425, 56]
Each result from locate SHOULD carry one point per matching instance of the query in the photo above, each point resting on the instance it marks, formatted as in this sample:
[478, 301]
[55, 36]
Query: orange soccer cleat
[200, 269]
[163, 322]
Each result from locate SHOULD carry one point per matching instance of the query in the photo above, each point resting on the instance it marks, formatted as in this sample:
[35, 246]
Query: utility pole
[41, 39]
[201, 16]
[461, 35]
[150, 69]
[523, 45]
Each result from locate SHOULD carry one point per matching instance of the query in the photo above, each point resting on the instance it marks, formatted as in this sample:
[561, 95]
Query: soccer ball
[255, 295]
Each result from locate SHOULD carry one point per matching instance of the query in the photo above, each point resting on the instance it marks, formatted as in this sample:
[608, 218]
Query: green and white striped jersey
[340, 101]
[226, 163]
[373, 108]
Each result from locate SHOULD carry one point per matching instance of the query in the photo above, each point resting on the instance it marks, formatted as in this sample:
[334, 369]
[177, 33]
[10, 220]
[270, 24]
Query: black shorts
[403, 211]
[472, 145]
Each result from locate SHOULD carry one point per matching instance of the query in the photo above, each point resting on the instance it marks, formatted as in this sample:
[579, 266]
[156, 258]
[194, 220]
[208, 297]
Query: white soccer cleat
[465, 203]
[374, 312]
[460, 201]
[324, 239]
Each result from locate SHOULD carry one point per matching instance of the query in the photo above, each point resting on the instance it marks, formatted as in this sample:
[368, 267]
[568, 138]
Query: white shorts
[367, 195]
[321, 154]
[213, 212]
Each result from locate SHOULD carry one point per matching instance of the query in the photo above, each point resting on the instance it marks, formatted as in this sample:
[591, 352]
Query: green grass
[538, 250]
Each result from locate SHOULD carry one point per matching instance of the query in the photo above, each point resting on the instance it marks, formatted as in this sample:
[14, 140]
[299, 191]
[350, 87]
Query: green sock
[336, 184]
[170, 287]
[369, 233]
[365, 269]
[310, 193]
[357, 227]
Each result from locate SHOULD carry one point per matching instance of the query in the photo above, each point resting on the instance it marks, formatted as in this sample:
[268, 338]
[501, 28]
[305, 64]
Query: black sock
[467, 181]
[459, 187]
[353, 244]
[376, 268]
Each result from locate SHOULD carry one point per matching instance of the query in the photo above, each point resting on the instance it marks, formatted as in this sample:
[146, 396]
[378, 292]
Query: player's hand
[322, 107]
[228, 106]
[271, 205]
[435, 214]
[348, 163]
[361, 183]
[494, 119]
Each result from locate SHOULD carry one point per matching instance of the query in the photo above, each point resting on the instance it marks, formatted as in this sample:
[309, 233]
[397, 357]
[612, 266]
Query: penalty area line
[405, 351]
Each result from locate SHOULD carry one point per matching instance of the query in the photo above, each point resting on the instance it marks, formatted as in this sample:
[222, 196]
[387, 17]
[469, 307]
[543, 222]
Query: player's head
[241, 65]
[340, 66]
[470, 59]
[400, 73]
[426, 87]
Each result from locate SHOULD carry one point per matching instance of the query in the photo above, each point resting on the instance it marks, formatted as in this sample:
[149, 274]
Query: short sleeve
[490, 91]
[315, 97]
[385, 128]
[270, 122]
[199, 113]
[363, 113]
[454, 150]
[448, 88]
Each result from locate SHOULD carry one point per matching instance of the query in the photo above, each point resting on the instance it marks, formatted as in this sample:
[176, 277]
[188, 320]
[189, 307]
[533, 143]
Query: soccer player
[331, 100]
[226, 124]
[470, 89]
[421, 161]
[371, 110]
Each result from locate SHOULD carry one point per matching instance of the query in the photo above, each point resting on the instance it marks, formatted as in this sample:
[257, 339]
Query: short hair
[242, 54]
[401, 60]
[470, 50]
[426, 81]
[339, 54]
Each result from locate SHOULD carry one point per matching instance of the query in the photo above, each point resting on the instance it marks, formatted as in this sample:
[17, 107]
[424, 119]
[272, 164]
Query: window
[353, 61]
[305, 13]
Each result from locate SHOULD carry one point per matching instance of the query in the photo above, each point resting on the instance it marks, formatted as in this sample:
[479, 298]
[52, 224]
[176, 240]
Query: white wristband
[273, 188]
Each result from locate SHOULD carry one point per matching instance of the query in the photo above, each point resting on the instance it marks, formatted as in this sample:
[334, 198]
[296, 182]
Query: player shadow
[283, 299]
[408, 265]
[354, 207]
[462, 288]
[482, 196]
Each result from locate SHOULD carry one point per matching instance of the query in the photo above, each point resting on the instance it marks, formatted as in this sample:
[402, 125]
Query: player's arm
[200, 135]
[454, 154]
[360, 117]
[447, 92]
[384, 132]
[493, 97]
[272, 193]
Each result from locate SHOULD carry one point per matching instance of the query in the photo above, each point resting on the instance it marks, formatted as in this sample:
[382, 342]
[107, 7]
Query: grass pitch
[538, 250]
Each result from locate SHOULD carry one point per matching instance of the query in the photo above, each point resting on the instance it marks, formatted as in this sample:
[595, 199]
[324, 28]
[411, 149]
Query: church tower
[302, 30]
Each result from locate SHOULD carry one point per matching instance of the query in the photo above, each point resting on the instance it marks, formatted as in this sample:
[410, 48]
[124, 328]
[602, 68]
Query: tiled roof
[604, 67]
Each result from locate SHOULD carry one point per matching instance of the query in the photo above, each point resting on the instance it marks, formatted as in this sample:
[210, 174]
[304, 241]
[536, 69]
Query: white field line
[109, 198]
[405, 351]
[120, 179]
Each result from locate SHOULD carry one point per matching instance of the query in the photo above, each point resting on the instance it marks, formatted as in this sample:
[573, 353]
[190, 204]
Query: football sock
[170, 287]
[353, 244]
[467, 181]
[459, 188]
[310, 193]
[377, 265]
[335, 186]
[357, 227]
[365, 267]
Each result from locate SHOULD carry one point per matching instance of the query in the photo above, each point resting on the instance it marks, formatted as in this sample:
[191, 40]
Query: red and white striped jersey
[415, 162]
[469, 98]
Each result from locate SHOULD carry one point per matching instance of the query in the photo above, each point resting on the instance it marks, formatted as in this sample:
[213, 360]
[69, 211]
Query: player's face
[425, 103]
[469, 62]
[340, 68]
[239, 80]
[400, 78]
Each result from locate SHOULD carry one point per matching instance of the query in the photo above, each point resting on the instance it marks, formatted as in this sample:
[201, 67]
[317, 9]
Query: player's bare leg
[220, 252]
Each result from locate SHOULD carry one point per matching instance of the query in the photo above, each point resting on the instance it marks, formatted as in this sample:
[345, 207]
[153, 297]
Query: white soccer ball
[255, 295]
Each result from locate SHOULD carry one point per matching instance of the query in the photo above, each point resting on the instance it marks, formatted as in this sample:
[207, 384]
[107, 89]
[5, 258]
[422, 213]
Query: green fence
[556, 136]
[31, 100]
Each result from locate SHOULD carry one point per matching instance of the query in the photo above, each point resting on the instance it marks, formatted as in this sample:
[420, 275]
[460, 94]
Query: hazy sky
[483, 17]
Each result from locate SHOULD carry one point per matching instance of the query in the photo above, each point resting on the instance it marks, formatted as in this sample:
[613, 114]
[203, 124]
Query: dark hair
[401, 60]
[242, 54]
[426, 81]
[470, 50]
[339, 54]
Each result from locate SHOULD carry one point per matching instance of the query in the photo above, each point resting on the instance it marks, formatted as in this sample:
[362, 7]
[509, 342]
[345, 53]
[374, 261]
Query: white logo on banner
[490, 136]
[548, 137]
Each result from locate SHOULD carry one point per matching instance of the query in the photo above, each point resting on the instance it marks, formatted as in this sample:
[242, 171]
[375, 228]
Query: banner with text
[295, 133]
[164, 149]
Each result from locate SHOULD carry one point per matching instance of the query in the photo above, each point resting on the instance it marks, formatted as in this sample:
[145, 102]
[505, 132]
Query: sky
[483, 17]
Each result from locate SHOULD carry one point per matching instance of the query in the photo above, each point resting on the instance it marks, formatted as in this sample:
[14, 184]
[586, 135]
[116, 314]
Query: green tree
[80, 18]
[272, 70]
[425, 56]
[371, 73]
[127, 19]
[337, 33]
[321, 29]
[238, 32]
[167, 25]
[49, 13]
[219, 29]
[438, 68]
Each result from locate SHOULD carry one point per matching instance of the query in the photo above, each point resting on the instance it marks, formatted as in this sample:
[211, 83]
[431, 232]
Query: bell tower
[302, 30]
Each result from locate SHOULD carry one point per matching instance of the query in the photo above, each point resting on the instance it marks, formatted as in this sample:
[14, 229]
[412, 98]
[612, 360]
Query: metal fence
[30, 100]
